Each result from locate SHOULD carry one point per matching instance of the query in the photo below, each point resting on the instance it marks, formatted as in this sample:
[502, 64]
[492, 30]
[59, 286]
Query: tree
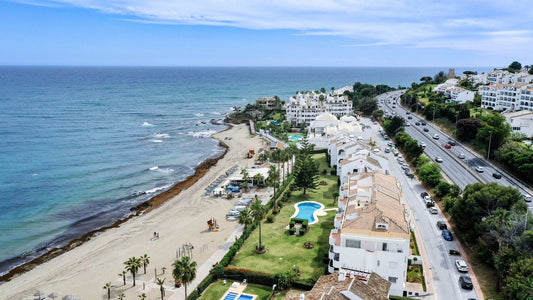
[259, 179]
[335, 196]
[430, 174]
[367, 105]
[145, 260]
[245, 217]
[160, 282]
[467, 129]
[132, 265]
[123, 274]
[426, 79]
[273, 178]
[515, 66]
[306, 173]
[519, 280]
[394, 125]
[258, 212]
[323, 90]
[184, 271]
[121, 296]
[245, 177]
[377, 114]
[142, 296]
[530, 70]
[108, 287]
[501, 218]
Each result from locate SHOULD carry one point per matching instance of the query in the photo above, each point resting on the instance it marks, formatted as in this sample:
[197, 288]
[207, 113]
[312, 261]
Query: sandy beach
[84, 270]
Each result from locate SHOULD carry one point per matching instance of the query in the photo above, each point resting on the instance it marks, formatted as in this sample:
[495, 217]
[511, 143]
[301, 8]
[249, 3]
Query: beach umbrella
[53, 295]
[68, 297]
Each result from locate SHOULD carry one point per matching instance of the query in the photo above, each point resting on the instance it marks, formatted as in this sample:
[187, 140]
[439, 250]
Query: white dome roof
[326, 117]
[348, 119]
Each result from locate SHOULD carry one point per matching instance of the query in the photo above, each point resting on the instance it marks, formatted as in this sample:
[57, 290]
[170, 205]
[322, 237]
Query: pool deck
[237, 288]
[319, 212]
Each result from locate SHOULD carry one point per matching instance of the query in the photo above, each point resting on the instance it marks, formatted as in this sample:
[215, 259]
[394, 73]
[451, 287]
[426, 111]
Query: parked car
[479, 169]
[433, 210]
[387, 150]
[441, 225]
[497, 175]
[448, 146]
[426, 129]
[527, 197]
[424, 194]
[461, 265]
[386, 137]
[461, 155]
[447, 235]
[466, 282]
[439, 159]
[436, 136]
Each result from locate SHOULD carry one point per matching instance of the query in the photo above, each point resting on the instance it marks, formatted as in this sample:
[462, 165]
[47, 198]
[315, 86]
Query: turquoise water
[79, 146]
[306, 211]
[245, 297]
[295, 138]
[230, 296]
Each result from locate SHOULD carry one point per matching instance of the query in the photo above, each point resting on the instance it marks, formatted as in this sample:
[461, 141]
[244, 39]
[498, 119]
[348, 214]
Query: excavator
[212, 224]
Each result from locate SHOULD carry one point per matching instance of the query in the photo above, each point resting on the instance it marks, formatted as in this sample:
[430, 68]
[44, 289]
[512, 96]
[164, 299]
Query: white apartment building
[363, 161]
[325, 126]
[306, 107]
[514, 96]
[371, 231]
[520, 121]
[458, 94]
[506, 77]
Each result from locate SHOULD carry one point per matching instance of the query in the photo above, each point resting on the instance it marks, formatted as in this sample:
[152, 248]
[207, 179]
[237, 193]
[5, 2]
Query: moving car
[436, 136]
[417, 123]
[479, 169]
[527, 197]
[439, 159]
[423, 145]
[409, 117]
[407, 124]
[433, 210]
[448, 146]
[447, 235]
[426, 129]
[452, 142]
[497, 175]
[387, 150]
[461, 265]
[423, 122]
[441, 225]
[461, 155]
[466, 282]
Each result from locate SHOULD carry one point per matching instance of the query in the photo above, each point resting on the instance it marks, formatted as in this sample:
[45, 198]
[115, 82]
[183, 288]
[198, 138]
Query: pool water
[306, 210]
[245, 297]
[295, 138]
[230, 296]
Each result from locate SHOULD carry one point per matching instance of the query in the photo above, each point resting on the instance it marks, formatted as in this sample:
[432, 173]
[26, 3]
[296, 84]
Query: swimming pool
[295, 138]
[306, 210]
[245, 297]
[230, 296]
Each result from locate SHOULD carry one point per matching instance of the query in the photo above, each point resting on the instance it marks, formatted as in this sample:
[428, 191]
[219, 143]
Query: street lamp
[456, 117]
[490, 139]
[434, 108]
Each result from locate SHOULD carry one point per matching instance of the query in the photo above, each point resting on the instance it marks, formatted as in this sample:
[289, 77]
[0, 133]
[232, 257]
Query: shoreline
[137, 210]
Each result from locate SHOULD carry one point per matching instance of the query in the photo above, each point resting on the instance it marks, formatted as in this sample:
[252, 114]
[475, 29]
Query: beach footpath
[180, 224]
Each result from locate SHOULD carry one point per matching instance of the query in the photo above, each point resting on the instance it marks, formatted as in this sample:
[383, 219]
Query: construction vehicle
[212, 225]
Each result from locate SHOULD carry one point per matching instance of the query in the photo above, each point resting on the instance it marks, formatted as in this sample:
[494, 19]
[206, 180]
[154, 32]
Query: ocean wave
[154, 168]
[147, 124]
[202, 134]
[199, 114]
[162, 170]
[159, 188]
[156, 141]
[161, 135]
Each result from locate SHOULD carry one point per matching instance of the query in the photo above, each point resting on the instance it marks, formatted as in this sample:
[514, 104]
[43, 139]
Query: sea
[80, 146]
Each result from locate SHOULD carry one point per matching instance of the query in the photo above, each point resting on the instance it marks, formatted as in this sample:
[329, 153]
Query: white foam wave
[146, 124]
[156, 141]
[161, 135]
[199, 114]
[154, 168]
[159, 188]
[202, 134]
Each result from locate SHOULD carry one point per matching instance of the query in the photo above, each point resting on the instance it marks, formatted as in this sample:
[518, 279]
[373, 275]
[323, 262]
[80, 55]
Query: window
[353, 243]
[393, 279]
[384, 247]
[336, 257]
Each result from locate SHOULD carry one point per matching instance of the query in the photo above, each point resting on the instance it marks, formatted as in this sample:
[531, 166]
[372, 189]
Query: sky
[378, 33]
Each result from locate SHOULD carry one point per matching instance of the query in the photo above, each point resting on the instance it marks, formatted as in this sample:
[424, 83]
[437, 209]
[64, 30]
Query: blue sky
[266, 33]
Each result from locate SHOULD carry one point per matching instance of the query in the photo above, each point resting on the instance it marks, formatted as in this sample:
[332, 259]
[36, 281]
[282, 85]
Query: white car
[439, 159]
[527, 198]
[479, 169]
[436, 136]
[461, 265]
[433, 210]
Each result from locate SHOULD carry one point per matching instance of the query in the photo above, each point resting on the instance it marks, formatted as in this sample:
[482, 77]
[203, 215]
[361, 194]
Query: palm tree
[121, 296]
[108, 287]
[145, 260]
[160, 282]
[276, 156]
[142, 296]
[132, 265]
[260, 179]
[263, 157]
[184, 271]
[245, 217]
[502, 219]
[258, 213]
[273, 178]
[335, 196]
[292, 150]
[163, 269]
[123, 274]
[245, 177]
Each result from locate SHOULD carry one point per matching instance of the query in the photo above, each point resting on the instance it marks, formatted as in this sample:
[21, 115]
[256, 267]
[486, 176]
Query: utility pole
[490, 139]
[434, 108]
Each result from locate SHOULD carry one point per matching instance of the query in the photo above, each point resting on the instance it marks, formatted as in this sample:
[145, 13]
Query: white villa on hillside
[516, 96]
[520, 121]
[454, 92]
[304, 108]
[371, 229]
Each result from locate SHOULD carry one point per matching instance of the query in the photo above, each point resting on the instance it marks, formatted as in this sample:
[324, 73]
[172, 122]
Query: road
[444, 275]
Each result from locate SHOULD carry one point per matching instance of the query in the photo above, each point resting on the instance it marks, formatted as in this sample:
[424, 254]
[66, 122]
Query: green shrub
[275, 211]
[305, 224]
[270, 219]
[292, 231]
[291, 224]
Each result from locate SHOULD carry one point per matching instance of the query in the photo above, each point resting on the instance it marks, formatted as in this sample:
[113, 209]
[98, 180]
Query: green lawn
[286, 251]
[322, 163]
[218, 289]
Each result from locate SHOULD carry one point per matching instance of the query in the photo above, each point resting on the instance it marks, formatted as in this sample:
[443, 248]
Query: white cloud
[465, 25]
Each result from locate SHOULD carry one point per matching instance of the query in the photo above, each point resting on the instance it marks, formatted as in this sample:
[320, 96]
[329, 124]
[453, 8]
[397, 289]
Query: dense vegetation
[363, 95]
